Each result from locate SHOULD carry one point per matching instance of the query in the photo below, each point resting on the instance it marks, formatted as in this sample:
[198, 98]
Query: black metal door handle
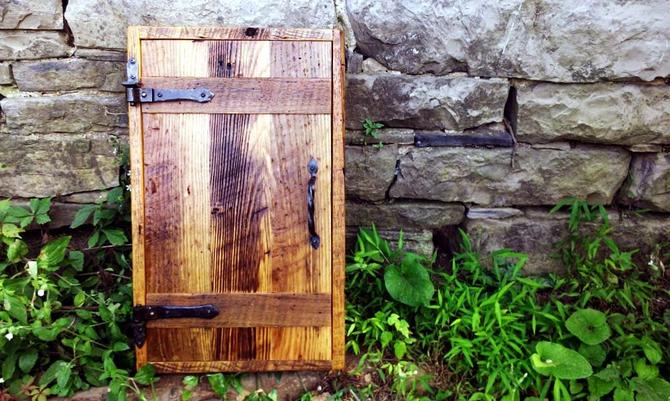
[314, 239]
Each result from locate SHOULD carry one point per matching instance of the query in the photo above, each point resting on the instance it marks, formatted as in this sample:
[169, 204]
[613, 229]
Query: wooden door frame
[138, 33]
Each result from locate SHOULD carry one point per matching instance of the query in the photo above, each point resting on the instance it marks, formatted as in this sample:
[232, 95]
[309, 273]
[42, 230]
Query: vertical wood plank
[296, 267]
[239, 204]
[338, 250]
[177, 254]
[294, 343]
[180, 345]
[301, 60]
[175, 58]
[137, 192]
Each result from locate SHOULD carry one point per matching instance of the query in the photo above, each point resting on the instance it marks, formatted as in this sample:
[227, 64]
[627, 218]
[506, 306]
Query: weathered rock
[485, 176]
[419, 242]
[646, 148]
[372, 66]
[31, 14]
[534, 237]
[74, 112]
[354, 63]
[427, 102]
[18, 45]
[492, 213]
[648, 184]
[369, 171]
[411, 216]
[385, 136]
[83, 197]
[537, 232]
[69, 74]
[102, 24]
[604, 113]
[101, 54]
[47, 165]
[569, 41]
[5, 74]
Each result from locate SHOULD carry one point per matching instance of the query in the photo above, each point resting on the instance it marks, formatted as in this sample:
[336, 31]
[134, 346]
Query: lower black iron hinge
[144, 313]
[135, 93]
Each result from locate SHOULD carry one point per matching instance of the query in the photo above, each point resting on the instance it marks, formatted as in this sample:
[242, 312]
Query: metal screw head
[132, 60]
[159, 94]
[144, 94]
[132, 77]
[203, 94]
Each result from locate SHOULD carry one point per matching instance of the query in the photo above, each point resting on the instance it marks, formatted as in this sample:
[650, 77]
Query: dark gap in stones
[66, 27]
[397, 172]
[511, 111]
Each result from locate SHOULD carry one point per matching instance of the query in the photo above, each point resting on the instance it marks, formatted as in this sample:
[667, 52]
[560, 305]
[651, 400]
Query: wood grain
[237, 33]
[338, 229]
[239, 366]
[224, 198]
[247, 95]
[136, 145]
[234, 59]
[249, 310]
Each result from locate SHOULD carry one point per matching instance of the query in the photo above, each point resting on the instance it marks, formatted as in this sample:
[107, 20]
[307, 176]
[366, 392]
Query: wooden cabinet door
[220, 198]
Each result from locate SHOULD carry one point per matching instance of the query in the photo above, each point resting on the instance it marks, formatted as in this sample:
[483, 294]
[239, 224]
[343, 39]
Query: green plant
[221, 384]
[371, 129]
[261, 395]
[190, 383]
[489, 332]
[66, 304]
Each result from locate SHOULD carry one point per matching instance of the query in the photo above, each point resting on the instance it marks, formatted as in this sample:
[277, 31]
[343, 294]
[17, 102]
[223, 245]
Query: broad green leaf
[16, 308]
[589, 325]
[53, 253]
[63, 375]
[651, 390]
[399, 349]
[623, 394]
[82, 216]
[115, 236]
[410, 282]
[93, 239]
[553, 359]
[603, 382]
[16, 250]
[120, 346]
[219, 384]
[146, 375]
[9, 366]
[644, 371]
[76, 260]
[385, 338]
[79, 299]
[190, 381]
[652, 350]
[46, 333]
[40, 206]
[595, 354]
[50, 374]
[11, 231]
[42, 219]
[27, 360]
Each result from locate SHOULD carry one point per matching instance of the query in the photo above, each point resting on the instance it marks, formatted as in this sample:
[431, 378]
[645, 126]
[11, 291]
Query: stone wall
[493, 110]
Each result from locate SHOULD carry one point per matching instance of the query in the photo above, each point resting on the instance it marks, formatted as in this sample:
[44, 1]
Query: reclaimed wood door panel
[220, 198]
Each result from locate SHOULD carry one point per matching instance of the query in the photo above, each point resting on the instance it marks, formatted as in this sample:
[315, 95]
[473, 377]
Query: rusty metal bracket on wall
[136, 94]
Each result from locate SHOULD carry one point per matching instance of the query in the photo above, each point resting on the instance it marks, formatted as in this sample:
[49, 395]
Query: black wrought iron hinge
[135, 93]
[144, 313]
